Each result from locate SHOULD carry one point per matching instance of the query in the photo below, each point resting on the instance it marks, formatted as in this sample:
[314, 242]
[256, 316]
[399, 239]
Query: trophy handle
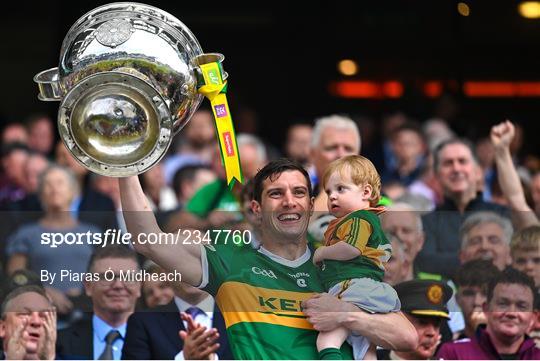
[205, 59]
[49, 85]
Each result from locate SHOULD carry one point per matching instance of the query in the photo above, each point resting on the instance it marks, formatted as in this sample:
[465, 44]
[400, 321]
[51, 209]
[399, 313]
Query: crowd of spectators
[461, 215]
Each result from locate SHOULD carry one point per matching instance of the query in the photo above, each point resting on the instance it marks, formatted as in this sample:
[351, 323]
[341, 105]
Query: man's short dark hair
[186, 174]
[411, 127]
[273, 170]
[476, 273]
[442, 145]
[246, 194]
[112, 251]
[34, 118]
[511, 276]
[9, 148]
[22, 290]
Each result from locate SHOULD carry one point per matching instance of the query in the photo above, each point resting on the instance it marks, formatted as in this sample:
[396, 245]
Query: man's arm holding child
[389, 330]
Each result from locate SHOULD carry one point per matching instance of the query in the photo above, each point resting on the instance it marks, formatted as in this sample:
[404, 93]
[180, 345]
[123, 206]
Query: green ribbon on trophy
[214, 87]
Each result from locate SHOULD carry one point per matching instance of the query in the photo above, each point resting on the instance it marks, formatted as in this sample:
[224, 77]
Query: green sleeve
[201, 202]
[219, 257]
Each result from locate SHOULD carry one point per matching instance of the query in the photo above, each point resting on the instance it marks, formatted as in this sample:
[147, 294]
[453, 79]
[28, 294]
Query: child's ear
[368, 191]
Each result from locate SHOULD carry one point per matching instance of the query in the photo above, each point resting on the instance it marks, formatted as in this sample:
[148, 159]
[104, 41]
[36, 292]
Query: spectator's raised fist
[502, 134]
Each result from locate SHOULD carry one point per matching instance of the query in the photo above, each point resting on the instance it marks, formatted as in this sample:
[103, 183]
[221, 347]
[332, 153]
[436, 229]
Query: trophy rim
[170, 21]
[90, 162]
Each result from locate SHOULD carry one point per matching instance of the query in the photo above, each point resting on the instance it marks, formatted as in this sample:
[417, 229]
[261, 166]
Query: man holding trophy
[129, 79]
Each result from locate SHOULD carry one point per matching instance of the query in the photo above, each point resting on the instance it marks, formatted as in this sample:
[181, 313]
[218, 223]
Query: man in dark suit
[76, 341]
[113, 301]
[154, 334]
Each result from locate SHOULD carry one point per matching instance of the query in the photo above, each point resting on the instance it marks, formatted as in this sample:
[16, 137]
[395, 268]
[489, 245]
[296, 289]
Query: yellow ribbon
[215, 90]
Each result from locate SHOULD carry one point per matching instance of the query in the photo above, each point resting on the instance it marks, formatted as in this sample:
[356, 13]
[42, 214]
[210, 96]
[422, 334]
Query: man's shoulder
[229, 249]
[76, 341]
[92, 200]
[79, 327]
[150, 315]
[206, 197]
[80, 330]
[462, 342]
[227, 258]
[482, 205]
[244, 255]
[211, 188]
[455, 349]
[256, 267]
[440, 219]
[29, 229]
[435, 214]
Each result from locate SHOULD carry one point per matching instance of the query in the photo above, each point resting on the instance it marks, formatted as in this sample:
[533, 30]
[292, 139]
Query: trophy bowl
[127, 83]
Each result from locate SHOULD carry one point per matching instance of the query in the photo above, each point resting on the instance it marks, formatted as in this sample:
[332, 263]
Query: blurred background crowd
[458, 210]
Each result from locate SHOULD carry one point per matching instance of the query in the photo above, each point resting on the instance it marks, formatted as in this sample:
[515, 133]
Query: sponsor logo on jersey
[301, 282]
[263, 272]
[241, 302]
[280, 304]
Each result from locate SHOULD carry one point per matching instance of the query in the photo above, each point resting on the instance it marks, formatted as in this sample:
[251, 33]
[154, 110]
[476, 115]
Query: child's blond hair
[525, 240]
[362, 172]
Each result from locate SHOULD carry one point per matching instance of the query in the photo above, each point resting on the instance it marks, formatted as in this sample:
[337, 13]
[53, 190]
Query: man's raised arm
[170, 252]
[501, 136]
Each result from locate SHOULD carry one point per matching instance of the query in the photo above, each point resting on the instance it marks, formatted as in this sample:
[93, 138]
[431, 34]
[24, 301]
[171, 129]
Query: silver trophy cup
[127, 81]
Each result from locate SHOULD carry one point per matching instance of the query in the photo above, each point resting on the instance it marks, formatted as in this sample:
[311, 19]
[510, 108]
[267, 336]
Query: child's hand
[318, 255]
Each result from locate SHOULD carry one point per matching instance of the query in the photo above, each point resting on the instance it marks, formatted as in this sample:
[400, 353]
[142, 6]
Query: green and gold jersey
[260, 296]
[361, 229]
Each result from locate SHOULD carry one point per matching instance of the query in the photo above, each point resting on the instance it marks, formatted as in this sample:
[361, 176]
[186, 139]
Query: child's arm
[340, 251]
[353, 237]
